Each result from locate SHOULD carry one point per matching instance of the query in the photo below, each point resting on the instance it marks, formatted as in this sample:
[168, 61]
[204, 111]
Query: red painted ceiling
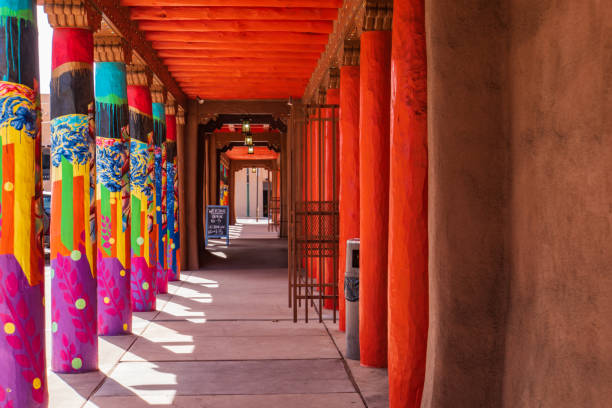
[259, 153]
[238, 49]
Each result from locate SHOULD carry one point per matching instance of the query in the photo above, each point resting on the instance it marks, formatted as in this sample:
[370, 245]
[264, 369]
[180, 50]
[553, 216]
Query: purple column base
[114, 297]
[142, 285]
[23, 380]
[73, 314]
[162, 279]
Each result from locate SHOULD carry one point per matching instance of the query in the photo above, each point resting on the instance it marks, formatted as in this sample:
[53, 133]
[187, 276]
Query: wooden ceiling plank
[237, 46]
[222, 62]
[246, 36]
[302, 26]
[237, 54]
[235, 3]
[233, 13]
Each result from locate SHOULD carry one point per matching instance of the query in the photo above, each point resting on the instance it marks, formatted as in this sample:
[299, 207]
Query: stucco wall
[241, 196]
[560, 316]
[520, 204]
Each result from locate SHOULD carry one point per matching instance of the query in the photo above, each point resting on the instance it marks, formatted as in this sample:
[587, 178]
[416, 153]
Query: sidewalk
[223, 337]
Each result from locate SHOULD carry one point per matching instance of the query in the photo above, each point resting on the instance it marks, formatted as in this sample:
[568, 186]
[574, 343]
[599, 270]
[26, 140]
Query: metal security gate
[313, 238]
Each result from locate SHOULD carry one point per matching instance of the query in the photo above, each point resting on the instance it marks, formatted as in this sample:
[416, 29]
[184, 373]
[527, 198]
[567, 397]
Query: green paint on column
[135, 232]
[67, 224]
[105, 209]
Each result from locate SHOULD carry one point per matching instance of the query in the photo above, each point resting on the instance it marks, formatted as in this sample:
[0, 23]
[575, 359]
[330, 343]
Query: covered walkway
[224, 337]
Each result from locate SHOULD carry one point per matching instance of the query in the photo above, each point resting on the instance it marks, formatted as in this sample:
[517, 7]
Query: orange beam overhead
[237, 62]
[236, 3]
[237, 46]
[237, 54]
[195, 76]
[246, 36]
[232, 13]
[322, 27]
[247, 67]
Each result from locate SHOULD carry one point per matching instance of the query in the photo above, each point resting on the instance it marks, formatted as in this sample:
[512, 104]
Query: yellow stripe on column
[24, 188]
[121, 234]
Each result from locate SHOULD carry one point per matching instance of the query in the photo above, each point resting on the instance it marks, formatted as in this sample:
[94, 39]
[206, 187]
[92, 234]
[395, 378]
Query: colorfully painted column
[172, 202]
[408, 237]
[179, 192]
[159, 137]
[330, 167]
[23, 381]
[374, 102]
[143, 248]
[112, 189]
[348, 196]
[73, 217]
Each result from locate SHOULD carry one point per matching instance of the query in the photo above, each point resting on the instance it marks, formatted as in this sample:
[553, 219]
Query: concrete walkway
[223, 337]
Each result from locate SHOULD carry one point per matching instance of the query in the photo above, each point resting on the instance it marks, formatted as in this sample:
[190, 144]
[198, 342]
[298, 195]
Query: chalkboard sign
[217, 222]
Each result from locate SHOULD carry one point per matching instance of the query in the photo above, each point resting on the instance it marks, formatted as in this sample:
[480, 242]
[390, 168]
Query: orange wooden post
[408, 240]
[348, 162]
[332, 98]
[374, 122]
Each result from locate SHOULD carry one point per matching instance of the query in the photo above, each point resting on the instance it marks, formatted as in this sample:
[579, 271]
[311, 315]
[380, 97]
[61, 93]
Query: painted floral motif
[139, 157]
[114, 315]
[22, 332]
[142, 285]
[70, 139]
[73, 313]
[110, 159]
[17, 109]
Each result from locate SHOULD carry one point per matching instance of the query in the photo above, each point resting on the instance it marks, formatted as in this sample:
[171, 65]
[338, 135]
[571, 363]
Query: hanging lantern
[248, 139]
[246, 126]
[251, 149]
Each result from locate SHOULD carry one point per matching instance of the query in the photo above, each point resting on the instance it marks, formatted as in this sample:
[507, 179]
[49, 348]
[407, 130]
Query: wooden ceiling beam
[275, 108]
[233, 13]
[247, 67]
[245, 36]
[235, 3]
[237, 46]
[119, 19]
[320, 27]
[237, 54]
[192, 76]
[240, 62]
[241, 96]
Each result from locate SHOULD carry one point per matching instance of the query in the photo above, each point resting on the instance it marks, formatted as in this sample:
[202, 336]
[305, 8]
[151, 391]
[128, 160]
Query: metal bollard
[351, 294]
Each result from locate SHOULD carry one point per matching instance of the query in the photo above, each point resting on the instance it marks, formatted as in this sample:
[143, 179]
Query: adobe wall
[520, 203]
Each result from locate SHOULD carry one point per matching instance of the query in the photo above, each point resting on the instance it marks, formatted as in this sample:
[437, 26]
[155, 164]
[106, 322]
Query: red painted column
[375, 80]
[172, 200]
[408, 240]
[314, 177]
[332, 98]
[349, 171]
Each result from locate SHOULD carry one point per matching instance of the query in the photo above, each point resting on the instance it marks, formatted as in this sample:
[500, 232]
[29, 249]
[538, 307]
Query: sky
[45, 34]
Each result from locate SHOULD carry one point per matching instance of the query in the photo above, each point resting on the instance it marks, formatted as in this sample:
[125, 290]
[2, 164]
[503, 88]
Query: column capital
[72, 14]
[334, 78]
[170, 105]
[180, 116]
[111, 48]
[158, 93]
[321, 96]
[378, 15]
[139, 75]
[352, 47]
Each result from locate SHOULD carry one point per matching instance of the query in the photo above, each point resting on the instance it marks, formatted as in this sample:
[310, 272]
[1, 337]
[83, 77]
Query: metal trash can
[351, 295]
